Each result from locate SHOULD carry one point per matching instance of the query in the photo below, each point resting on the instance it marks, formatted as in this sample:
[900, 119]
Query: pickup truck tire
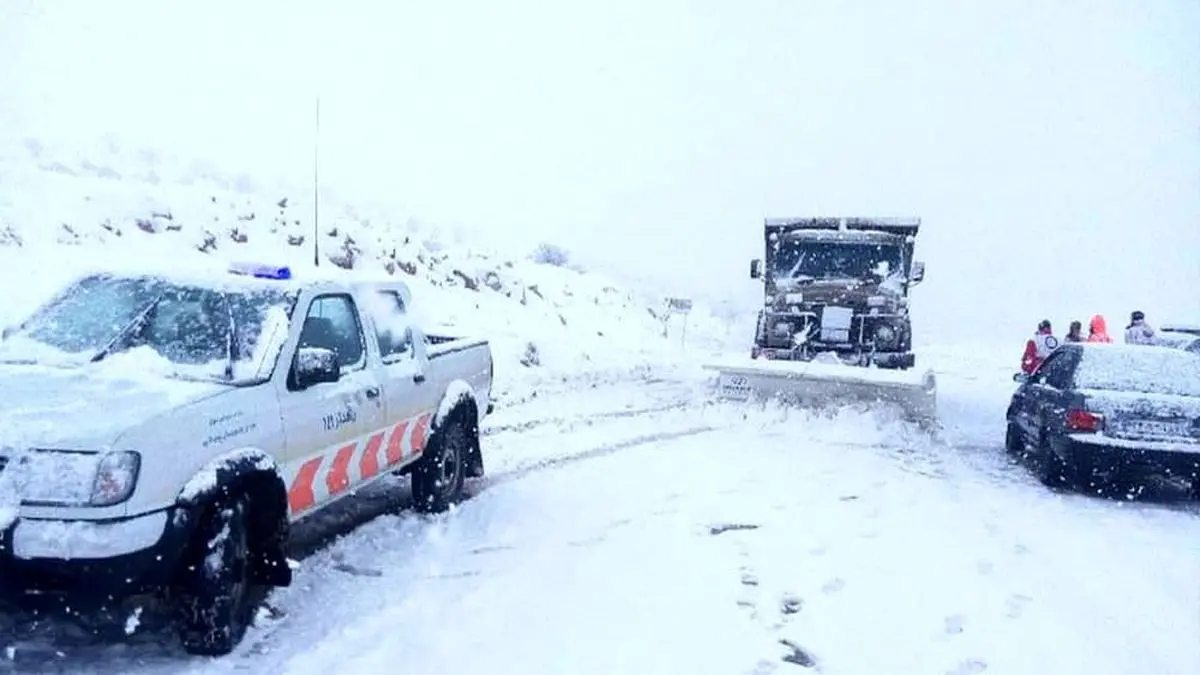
[438, 477]
[216, 599]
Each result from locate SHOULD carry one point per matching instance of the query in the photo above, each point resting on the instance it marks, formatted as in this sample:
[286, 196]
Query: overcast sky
[1052, 149]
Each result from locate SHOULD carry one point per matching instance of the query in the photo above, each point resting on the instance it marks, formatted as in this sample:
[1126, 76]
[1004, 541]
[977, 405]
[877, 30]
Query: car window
[332, 323]
[1056, 370]
[391, 325]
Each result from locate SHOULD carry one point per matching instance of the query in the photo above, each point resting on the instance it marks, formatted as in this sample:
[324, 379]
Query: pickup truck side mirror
[918, 273]
[315, 365]
[1020, 377]
[756, 269]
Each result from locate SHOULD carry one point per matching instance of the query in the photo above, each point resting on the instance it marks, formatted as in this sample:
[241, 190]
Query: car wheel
[215, 598]
[1014, 444]
[1051, 469]
[438, 478]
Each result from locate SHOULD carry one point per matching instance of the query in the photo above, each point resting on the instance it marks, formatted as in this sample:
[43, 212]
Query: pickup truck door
[327, 424]
[411, 396]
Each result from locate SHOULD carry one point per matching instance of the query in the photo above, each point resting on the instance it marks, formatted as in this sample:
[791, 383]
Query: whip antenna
[316, 185]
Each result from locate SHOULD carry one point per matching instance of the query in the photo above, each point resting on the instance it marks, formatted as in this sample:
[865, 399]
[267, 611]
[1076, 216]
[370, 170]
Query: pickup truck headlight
[58, 478]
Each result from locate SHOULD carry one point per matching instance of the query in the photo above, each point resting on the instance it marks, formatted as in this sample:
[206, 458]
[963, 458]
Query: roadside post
[677, 307]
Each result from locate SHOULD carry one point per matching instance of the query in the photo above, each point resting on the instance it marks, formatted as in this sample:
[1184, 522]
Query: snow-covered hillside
[64, 209]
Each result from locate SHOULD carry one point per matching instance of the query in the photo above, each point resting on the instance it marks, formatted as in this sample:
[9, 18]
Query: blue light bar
[260, 271]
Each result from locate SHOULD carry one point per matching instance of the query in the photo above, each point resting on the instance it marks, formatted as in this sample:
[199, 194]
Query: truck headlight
[61, 478]
[885, 334]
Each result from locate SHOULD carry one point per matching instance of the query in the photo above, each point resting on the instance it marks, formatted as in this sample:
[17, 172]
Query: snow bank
[68, 209]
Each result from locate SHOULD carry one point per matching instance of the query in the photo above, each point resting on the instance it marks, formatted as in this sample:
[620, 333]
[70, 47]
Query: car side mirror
[315, 365]
[756, 269]
[918, 273]
[1020, 377]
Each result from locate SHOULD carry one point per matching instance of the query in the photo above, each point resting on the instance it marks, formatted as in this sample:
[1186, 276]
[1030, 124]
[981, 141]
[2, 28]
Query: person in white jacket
[1138, 332]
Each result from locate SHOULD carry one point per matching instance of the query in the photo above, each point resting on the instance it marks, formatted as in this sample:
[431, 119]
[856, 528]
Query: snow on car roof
[1176, 338]
[1147, 369]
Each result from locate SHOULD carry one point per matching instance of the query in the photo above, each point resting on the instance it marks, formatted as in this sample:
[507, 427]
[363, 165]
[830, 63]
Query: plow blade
[815, 384]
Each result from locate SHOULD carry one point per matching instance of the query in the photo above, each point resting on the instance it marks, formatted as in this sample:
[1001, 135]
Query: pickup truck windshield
[814, 261]
[201, 333]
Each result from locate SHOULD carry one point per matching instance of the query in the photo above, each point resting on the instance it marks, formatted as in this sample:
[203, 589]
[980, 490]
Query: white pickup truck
[160, 433]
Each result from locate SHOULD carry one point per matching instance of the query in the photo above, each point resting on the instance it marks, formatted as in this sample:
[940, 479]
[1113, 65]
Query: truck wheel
[437, 480]
[216, 601]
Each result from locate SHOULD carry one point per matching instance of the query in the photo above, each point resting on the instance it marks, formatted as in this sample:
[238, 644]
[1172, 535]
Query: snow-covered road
[634, 527]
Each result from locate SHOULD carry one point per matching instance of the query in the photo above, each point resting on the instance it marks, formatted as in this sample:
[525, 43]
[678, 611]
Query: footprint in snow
[833, 585]
[797, 655]
[1016, 604]
[955, 624]
[968, 667]
[790, 604]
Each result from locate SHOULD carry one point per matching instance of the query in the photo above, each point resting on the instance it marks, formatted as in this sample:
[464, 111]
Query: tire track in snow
[551, 463]
[529, 425]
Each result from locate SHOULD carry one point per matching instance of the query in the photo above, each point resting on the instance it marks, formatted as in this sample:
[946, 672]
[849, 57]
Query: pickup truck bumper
[86, 565]
[1112, 459]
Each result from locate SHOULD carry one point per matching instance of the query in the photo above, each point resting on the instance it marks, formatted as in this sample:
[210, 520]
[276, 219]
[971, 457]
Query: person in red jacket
[1098, 330]
[1040, 346]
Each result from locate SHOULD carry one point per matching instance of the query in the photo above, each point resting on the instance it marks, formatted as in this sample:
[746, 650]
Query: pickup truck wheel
[437, 479]
[216, 600]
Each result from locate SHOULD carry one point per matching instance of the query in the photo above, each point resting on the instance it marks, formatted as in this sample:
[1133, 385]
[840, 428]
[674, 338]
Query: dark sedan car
[1094, 413]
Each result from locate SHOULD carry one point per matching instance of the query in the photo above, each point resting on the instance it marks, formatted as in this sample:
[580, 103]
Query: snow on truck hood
[83, 408]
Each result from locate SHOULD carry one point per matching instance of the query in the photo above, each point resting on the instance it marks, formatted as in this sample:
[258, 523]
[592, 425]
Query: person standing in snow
[1041, 345]
[1098, 329]
[1075, 333]
[1138, 332]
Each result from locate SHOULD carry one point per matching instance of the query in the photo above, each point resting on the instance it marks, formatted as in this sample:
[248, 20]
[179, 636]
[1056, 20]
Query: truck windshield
[810, 261]
[189, 331]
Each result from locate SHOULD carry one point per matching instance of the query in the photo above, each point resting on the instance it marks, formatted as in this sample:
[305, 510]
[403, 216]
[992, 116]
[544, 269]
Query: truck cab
[838, 286]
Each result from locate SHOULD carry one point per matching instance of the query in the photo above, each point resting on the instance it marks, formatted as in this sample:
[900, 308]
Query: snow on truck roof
[856, 223]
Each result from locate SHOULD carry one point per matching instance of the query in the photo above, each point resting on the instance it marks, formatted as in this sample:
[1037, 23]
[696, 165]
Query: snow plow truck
[835, 327]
